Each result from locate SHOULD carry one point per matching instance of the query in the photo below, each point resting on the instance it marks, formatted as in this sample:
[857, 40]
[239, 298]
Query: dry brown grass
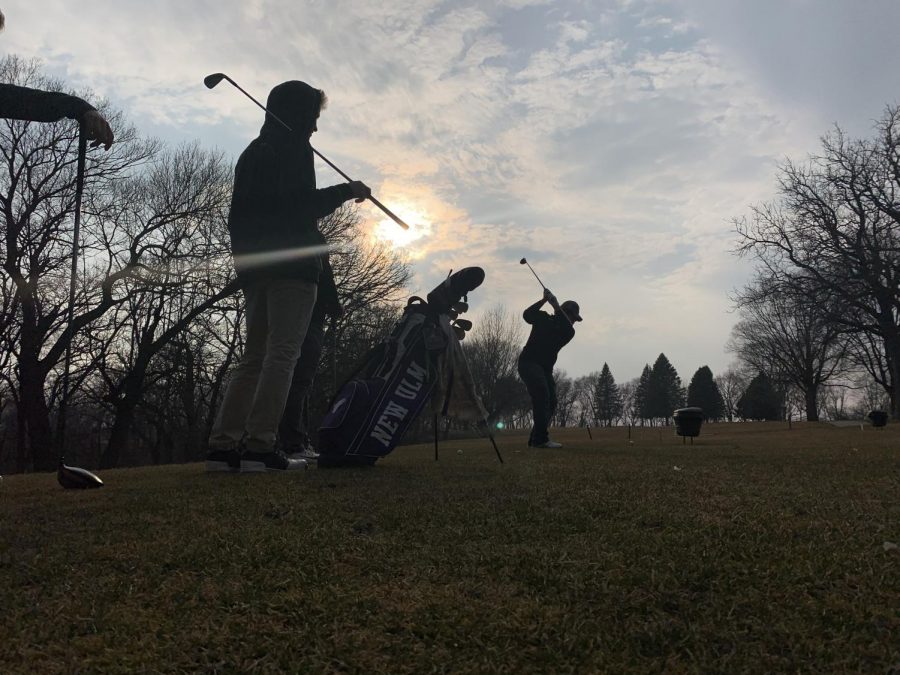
[764, 550]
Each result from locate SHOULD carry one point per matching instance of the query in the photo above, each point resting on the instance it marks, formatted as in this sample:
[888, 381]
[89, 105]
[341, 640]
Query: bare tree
[37, 196]
[630, 412]
[836, 401]
[871, 396]
[366, 272]
[585, 387]
[566, 399]
[492, 350]
[732, 383]
[788, 333]
[835, 232]
[173, 222]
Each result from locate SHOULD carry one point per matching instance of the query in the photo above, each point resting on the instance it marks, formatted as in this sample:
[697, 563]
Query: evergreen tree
[640, 394]
[760, 401]
[664, 391]
[703, 392]
[607, 398]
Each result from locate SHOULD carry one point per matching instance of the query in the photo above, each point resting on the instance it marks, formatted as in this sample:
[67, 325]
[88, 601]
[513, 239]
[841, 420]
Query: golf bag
[372, 411]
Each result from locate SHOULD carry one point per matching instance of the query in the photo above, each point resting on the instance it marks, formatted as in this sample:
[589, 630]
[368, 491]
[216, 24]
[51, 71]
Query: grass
[756, 549]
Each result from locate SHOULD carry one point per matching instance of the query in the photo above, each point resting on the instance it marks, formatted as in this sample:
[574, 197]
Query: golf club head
[465, 324]
[521, 262]
[452, 314]
[460, 307]
[74, 478]
[460, 333]
[212, 80]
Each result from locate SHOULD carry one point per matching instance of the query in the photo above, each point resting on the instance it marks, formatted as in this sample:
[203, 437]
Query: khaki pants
[293, 431]
[277, 317]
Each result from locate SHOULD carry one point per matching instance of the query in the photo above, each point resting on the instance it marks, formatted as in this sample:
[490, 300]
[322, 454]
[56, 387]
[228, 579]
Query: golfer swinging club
[549, 334]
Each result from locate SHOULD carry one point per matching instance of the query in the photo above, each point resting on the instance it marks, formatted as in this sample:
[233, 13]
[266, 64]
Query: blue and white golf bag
[374, 408]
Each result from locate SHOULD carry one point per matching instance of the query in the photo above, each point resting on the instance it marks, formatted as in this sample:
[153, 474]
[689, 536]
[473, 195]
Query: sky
[611, 142]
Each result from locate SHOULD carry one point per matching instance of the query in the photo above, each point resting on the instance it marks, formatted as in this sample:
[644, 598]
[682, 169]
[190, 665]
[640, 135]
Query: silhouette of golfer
[548, 335]
[277, 251]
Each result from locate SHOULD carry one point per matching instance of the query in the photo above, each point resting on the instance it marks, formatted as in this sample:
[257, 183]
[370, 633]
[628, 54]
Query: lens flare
[264, 258]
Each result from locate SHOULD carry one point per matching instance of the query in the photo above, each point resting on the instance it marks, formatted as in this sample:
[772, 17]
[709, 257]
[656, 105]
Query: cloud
[837, 61]
[610, 142]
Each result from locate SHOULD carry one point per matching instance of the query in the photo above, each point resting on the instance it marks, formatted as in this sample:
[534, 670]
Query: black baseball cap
[571, 308]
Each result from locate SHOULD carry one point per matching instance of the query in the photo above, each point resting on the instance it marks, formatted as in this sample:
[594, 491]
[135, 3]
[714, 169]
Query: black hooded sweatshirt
[275, 205]
[549, 334]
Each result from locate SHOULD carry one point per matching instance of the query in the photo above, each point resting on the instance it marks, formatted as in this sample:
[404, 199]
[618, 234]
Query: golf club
[212, 80]
[71, 477]
[523, 261]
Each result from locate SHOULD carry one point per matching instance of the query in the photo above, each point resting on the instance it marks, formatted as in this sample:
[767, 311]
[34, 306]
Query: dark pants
[293, 432]
[542, 389]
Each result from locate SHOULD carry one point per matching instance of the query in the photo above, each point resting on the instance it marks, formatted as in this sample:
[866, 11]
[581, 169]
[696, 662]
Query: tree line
[822, 314]
[157, 313]
[597, 400]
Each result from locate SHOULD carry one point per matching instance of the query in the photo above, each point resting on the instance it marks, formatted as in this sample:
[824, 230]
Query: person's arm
[534, 312]
[22, 103]
[549, 297]
[321, 202]
[317, 203]
[258, 183]
[34, 105]
[261, 181]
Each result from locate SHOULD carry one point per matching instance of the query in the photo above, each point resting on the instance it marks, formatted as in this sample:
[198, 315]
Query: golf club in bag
[72, 477]
[420, 360]
[212, 80]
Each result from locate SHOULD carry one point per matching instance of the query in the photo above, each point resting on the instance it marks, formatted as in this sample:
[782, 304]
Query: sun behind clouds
[389, 232]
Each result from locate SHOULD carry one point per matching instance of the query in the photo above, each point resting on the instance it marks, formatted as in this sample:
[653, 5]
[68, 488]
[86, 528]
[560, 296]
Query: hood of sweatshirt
[295, 103]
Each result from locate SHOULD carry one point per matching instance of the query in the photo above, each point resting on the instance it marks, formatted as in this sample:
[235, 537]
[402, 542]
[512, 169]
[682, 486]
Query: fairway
[758, 548]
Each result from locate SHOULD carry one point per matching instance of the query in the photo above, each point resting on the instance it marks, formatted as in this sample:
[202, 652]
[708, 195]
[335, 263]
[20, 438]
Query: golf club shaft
[536, 276]
[73, 276]
[248, 95]
[390, 214]
[545, 288]
[525, 260]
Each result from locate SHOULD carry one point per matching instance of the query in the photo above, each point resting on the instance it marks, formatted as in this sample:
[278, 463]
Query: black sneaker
[223, 460]
[276, 460]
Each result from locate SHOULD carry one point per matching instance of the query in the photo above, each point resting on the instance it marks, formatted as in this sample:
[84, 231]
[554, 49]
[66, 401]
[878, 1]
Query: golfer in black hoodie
[549, 334]
[277, 250]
